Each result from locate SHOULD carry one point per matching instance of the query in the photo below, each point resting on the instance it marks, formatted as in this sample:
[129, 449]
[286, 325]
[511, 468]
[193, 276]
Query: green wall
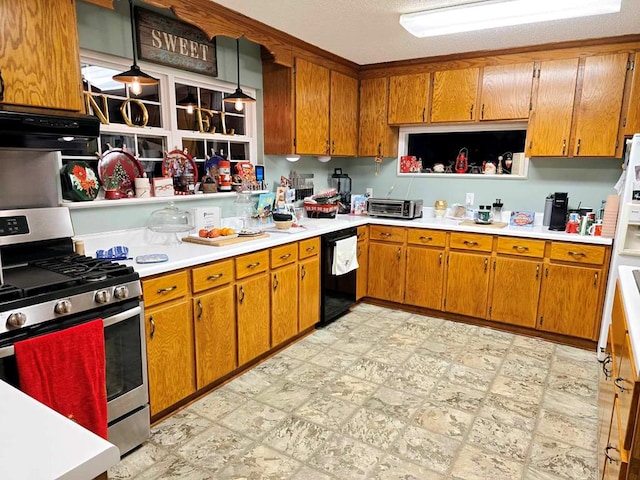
[587, 180]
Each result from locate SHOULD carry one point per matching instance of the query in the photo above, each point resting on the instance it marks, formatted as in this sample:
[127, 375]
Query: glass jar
[245, 209]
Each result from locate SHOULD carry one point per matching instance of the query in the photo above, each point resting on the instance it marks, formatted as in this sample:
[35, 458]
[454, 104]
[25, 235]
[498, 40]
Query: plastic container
[321, 210]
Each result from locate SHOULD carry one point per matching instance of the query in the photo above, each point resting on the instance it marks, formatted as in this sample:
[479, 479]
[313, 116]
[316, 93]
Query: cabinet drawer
[214, 275]
[308, 248]
[252, 263]
[577, 252]
[284, 255]
[165, 288]
[433, 238]
[363, 233]
[471, 241]
[387, 234]
[521, 246]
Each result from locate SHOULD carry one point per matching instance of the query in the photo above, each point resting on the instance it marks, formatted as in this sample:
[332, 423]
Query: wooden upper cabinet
[376, 138]
[550, 121]
[599, 106]
[409, 98]
[506, 91]
[343, 121]
[40, 59]
[312, 108]
[631, 120]
[454, 95]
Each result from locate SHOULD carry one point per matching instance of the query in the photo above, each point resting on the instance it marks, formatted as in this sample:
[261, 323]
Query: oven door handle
[10, 350]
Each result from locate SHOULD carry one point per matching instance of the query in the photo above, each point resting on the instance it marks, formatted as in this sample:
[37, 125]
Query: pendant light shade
[239, 98]
[134, 77]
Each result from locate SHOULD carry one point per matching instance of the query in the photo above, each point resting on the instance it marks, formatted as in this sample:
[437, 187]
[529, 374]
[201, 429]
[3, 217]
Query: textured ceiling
[368, 31]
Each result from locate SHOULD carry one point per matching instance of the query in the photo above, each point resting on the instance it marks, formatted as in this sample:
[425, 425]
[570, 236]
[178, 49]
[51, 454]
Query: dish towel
[345, 256]
[65, 370]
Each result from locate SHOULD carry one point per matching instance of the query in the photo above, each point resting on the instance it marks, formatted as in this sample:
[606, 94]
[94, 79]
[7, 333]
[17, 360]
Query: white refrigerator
[626, 244]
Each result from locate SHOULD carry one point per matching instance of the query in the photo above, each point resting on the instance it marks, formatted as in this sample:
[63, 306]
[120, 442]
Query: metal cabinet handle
[620, 387]
[304, 272]
[253, 265]
[578, 148]
[564, 146]
[167, 290]
[199, 309]
[241, 299]
[333, 146]
[153, 327]
[1, 88]
[275, 282]
[426, 239]
[328, 149]
[521, 248]
[285, 256]
[424, 111]
[537, 272]
[399, 253]
[606, 453]
[385, 234]
[470, 243]
[471, 112]
[482, 112]
[311, 249]
[605, 363]
[595, 279]
[486, 263]
[576, 254]
[359, 252]
[215, 276]
[440, 259]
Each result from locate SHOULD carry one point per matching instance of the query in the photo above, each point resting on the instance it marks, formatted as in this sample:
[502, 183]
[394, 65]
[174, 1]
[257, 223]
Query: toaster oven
[387, 207]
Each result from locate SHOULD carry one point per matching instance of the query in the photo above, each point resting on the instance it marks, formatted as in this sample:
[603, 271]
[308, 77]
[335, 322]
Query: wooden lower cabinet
[284, 303]
[170, 354]
[516, 289]
[215, 335]
[252, 304]
[569, 300]
[467, 286]
[362, 276]
[424, 277]
[386, 271]
[308, 293]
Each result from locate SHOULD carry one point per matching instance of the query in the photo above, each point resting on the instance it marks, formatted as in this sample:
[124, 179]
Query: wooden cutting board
[220, 242]
[471, 223]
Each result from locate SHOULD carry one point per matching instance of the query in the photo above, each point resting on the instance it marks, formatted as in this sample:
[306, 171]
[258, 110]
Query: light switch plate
[469, 199]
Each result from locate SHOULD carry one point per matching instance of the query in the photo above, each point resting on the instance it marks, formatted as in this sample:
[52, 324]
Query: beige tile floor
[386, 394]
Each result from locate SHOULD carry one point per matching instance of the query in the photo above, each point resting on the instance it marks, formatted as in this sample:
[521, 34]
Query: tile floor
[385, 394]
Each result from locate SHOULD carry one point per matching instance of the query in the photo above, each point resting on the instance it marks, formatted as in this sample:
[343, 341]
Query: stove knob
[62, 307]
[102, 296]
[121, 292]
[17, 319]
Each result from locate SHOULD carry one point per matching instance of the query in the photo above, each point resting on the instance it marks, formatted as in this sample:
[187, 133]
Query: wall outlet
[469, 200]
[369, 192]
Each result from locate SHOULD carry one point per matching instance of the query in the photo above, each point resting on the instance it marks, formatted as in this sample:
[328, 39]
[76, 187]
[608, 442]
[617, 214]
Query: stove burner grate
[84, 268]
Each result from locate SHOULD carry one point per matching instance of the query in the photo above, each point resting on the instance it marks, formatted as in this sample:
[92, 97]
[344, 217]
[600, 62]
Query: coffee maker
[342, 183]
[558, 219]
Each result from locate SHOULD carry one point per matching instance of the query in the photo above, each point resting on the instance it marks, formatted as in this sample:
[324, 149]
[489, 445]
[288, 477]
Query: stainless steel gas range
[45, 287]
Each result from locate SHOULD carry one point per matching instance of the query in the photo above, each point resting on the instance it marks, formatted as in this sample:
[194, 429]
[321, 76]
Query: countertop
[40, 444]
[631, 304]
[181, 255]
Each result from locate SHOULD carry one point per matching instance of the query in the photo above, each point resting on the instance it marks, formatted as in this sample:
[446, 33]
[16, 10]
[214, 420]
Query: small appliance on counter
[386, 207]
[558, 220]
[342, 183]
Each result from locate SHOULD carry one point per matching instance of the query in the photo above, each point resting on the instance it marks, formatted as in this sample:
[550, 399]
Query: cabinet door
[614, 467]
[598, 114]
[376, 138]
[40, 60]
[252, 304]
[343, 112]
[170, 355]
[454, 95]
[516, 289]
[425, 277]
[569, 300]
[312, 108]
[309, 294]
[215, 335]
[362, 277]
[550, 120]
[467, 284]
[409, 98]
[631, 122]
[506, 91]
[386, 271]
[627, 389]
[606, 398]
[284, 304]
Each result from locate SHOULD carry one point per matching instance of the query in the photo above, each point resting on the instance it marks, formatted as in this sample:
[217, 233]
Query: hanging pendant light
[190, 101]
[238, 98]
[134, 77]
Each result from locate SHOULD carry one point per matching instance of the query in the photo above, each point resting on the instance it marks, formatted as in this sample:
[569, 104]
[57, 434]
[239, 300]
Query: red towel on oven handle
[65, 370]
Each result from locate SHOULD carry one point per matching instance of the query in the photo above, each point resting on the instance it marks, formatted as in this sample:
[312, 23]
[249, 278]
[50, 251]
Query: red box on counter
[410, 164]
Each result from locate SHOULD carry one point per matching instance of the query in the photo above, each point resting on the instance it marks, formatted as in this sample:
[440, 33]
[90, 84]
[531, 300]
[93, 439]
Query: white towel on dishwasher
[345, 256]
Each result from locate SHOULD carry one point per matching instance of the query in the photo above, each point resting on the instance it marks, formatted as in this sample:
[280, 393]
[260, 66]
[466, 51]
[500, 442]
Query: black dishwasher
[338, 291]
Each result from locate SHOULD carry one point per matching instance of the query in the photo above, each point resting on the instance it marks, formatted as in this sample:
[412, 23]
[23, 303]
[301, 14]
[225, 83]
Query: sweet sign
[169, 42]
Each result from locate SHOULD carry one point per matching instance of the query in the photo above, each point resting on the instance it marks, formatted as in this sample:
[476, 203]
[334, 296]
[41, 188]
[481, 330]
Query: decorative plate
[79, 182]
[118, 168]
[178, 162]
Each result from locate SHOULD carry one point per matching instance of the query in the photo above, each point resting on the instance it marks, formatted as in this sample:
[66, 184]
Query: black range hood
[47, 131]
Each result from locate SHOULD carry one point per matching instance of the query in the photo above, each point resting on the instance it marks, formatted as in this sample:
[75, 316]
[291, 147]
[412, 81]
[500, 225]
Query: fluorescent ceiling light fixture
[485, 14]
